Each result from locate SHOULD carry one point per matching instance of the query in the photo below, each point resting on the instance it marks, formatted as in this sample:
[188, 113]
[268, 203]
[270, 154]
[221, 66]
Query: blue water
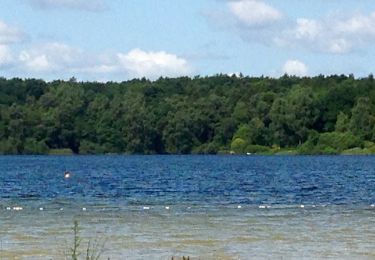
[201, 180]
[207, 207]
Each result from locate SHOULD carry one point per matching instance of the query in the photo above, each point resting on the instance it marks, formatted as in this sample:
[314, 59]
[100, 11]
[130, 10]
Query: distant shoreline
[201, 115]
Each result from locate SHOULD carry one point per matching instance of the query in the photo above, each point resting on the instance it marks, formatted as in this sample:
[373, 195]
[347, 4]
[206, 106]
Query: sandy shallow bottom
[202, 233]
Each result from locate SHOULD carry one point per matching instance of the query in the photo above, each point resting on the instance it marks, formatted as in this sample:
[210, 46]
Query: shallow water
[220, 207]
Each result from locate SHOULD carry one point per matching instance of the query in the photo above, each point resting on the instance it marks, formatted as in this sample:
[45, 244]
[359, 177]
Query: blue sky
[122, 39]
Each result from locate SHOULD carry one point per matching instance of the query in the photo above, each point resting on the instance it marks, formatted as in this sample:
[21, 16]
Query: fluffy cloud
[51, 57]
[10, 34]
[295, 68]
[85, 5]
[254, 13]
[6, 57]
[153, 64]
[257, 21]
[64, 60]
[333, 34]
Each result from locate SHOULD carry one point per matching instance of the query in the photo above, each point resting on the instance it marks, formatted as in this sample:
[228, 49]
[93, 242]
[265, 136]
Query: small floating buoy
[167, 208]
[41, 209]
[84, 209]
[302, 206]
[67, 175]
[239, 206]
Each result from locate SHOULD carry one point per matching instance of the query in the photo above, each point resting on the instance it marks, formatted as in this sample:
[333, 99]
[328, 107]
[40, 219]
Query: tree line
[201, 115]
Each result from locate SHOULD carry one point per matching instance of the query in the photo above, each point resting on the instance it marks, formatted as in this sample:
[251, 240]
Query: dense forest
[203, 115]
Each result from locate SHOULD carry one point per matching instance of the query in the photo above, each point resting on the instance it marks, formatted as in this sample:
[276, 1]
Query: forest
[219, 114]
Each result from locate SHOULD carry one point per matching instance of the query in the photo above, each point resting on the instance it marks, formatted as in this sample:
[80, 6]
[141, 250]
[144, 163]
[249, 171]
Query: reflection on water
[204, 233]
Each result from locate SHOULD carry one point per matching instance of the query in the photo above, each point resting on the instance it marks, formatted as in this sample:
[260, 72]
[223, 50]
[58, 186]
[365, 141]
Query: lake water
[207, 207]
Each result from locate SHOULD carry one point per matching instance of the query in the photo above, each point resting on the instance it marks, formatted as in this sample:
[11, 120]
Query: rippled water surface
[207, 207]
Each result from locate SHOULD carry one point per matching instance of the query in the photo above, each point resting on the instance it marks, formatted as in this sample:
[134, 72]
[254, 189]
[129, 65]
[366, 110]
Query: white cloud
[306, 28]
[254, 13]
[64, 60]
[139, 63]
[10, 34]
[332, 34]
[6, 57]
[295, 68]
[85, 5]
[255, 21]
[51, 57]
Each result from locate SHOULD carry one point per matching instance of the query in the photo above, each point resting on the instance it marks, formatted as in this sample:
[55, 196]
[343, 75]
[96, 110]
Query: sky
[116, 40]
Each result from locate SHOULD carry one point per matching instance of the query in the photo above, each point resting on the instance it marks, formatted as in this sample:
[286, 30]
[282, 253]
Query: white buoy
[41, 209]
[302, 206]
[239, 206]
[167, 208]
[84, 209]
[66, 175]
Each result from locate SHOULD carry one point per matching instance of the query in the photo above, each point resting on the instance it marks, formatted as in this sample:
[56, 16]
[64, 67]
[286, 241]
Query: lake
[207, 207]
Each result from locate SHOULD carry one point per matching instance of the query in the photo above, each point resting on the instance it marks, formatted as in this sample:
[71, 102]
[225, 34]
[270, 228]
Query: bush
[357, 151]
[238, 145]
[329, 143]
[32, 146]
[87, 147]
[210, 148]
[9, 146]
[339, 141]
[322, 149]
[252, 148]
[65, 151]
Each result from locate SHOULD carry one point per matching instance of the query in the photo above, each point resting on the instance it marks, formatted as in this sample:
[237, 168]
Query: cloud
[6, 57]
[83, 5]
[63, 60]
[333, 34]
[10, 34]
[295, 68]
[51, 57]
[254, 13]
[140, 63]
[255, 21]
